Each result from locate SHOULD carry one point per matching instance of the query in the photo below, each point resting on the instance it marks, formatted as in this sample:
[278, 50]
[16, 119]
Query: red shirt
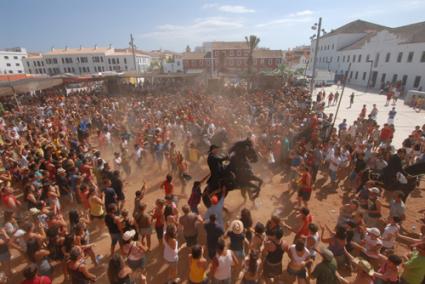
[38, 280]
[304, 228]
[168, 188]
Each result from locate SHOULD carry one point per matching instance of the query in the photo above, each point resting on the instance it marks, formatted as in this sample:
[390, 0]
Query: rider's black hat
[212, 147]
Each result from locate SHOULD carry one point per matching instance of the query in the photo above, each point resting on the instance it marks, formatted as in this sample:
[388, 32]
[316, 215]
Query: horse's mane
[240, 145]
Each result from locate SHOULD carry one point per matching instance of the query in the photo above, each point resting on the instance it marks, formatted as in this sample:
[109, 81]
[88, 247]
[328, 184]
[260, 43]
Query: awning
[8, 88]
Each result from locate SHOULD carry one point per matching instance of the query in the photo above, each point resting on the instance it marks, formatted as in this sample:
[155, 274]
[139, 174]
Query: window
[383, 77]
[63, 60]
[367, 58]
[109, 60]
[333, 46]
[10, 72]
[354, 58]
[84, 59]
[356, 75]
[55, 60]
[404, 80]
[19, 71]
[101, 59]
[351, 74]
[423, 56]
[118, 61]
[232, 52]
[360, 58]
[270, 61]
[113, 60]
[28, 64]
[387, 57]
[8, 64]
[17, 64]
[125, 60]
[364, 76]
[410, 57]
[399, 57]
[417, 82]
[337, 59]
[343, 58]
[394, 78]
[15, 57]
[49, 70]
[348, 58]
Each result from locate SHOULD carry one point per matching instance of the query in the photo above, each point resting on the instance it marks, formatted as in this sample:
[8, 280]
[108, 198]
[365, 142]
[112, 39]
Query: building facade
[85, 60]
[229, 57]
[298, 58]
[11, 60]
[378, 54]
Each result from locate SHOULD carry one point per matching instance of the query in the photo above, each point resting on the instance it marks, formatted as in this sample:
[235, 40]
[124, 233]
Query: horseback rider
[215, 163]
[395, 165]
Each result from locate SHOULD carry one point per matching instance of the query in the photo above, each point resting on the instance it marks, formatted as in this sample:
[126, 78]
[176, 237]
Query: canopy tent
[8, 88]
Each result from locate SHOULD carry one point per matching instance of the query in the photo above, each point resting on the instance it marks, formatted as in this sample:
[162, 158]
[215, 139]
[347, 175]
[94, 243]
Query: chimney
[110, 46]
[66, 47]
[95, 46]
[81, 47]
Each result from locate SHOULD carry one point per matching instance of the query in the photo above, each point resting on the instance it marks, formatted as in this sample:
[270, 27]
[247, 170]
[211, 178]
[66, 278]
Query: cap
[129, 235]
[374, 231]
[374, 190]
[237, 227]
[214, 199]
[326, 253]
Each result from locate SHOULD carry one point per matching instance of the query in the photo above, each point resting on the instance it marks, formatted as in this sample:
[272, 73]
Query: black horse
[238, 173]
[414, 171]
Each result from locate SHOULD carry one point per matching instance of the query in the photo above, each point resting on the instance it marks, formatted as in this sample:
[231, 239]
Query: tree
[252, 41]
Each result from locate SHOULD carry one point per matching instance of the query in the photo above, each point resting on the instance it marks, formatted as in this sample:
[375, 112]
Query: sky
[39, 25]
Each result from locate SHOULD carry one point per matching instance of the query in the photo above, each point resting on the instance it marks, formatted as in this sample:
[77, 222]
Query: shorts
[191, 240]
[240, 254]
[136, 264]
[271, 270]
[305, 195]
[145, 231]
[115, 238]
[159, 232]
[302, 273]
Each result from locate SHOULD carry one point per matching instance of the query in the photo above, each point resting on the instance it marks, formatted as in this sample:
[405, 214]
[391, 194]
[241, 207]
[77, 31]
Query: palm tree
[252, 41]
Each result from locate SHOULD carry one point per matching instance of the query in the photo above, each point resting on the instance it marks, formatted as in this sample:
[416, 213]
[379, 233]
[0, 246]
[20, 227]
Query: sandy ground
[275, 196]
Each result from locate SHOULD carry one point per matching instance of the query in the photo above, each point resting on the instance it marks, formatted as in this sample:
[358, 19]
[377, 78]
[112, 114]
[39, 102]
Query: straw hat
[237, 227]
[364, 265]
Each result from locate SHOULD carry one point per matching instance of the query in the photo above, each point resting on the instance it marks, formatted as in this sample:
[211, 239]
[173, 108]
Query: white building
[11, 60]
[377, 54]
[86, 60]
[174, 65]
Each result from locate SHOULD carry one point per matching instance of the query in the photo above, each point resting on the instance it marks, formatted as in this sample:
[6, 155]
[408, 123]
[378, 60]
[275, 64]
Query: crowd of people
[67, 163]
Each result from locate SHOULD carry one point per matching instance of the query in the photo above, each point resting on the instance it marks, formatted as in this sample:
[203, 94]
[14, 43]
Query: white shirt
[334, 163]
[389, 235]
[224, 268]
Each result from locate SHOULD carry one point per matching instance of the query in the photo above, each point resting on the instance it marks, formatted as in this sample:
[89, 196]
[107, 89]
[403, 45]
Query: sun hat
[326, 253]
[128, 235]
[237, 227]
[364, 265]
[374, 231]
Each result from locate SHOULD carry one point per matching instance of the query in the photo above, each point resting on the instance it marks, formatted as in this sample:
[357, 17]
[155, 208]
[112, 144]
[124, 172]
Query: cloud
[202, 28]
[297, 17]
[235, 9]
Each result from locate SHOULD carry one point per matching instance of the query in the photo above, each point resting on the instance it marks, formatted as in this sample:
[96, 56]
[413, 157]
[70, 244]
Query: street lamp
[318, 27]
[370, 73]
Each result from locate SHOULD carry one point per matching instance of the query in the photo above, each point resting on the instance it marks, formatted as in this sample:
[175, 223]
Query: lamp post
[370, 74]
[318, 27]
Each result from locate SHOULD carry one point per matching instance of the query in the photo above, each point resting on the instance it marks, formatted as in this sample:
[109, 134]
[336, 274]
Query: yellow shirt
[96, 209]
[197, 274]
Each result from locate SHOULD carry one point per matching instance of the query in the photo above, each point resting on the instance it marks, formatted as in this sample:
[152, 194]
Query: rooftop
[355, 27]
[227, 44]
[413, 33]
